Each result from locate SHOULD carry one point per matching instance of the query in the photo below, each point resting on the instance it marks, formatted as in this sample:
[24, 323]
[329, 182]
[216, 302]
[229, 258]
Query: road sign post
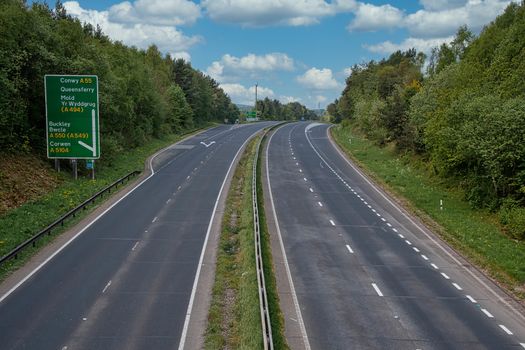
[72, 118]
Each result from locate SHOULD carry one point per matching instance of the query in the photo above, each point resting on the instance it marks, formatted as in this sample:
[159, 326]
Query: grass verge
[17, 225]
[234, 320]
[473, 232]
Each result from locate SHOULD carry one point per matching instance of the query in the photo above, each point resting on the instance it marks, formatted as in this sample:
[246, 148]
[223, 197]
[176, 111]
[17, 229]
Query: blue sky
[296, 50]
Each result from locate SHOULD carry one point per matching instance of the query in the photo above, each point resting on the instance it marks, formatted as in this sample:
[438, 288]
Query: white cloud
[318, 79]
[475, 14]
[274, 12]
[434, 5]
[231, 67]
[347, 71]
[156, 12]
[181, 54]
[423, 45]
[438, 18]
[288, 99]
[369, 17]
[243, 95]
[142, 35]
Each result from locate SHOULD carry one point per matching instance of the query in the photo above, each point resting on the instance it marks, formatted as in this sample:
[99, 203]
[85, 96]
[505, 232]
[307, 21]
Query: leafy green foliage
[143, 94]
[275, 110]
[466, 118]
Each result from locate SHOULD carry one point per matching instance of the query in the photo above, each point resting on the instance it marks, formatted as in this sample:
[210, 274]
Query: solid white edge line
[420, 228]
[505, 329]
[285, 258]
[349, 249]
[199, 266]
[522, 345]
[376, 288]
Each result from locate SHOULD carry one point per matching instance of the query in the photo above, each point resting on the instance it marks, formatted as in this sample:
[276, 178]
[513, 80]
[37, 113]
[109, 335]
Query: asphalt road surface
[126, 281]
[366, 275]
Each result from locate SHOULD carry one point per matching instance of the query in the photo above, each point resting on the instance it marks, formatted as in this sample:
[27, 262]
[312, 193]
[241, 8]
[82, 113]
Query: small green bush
[513, 217]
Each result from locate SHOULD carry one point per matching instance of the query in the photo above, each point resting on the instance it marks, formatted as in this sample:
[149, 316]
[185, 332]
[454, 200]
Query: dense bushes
[142, 94]
[465, 118]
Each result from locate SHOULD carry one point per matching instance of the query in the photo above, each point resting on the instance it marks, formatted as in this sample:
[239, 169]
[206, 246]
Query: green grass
[234, 318]
[473, 232]
[17, 225]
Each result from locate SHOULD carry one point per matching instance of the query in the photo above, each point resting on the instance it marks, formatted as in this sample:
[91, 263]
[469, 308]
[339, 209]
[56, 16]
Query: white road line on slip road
[349, 249]
[394, 229]
[435, 266]
[424, 257]
[401, 236]
[332, 222]
[311, 190]
[135, 246]
[486, 312]
[320, 204]
[376, 288]
[505, 329]
[304, 178]
[445, 275]
[154, 219]
[300, 170]
[408, 242]
[106, 287]
[389, 224]
[415, 249]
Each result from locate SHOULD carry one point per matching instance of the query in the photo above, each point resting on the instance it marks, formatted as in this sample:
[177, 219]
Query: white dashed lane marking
[376, 288]
[505, 329]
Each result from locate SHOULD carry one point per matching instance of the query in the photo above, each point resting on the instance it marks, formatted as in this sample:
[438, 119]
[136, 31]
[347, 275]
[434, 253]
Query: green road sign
[72, 116]
[251, 114]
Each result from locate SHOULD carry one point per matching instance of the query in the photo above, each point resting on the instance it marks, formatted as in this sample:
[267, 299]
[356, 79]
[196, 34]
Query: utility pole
[256, 84]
